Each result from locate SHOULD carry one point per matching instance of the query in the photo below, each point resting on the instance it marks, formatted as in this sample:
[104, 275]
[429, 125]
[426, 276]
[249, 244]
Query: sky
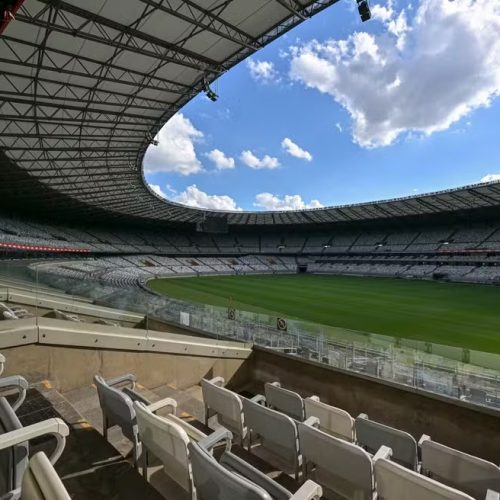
[338, 111]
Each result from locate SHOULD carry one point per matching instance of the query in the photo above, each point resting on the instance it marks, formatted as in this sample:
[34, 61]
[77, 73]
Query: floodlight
[364, 10]
[209, 92]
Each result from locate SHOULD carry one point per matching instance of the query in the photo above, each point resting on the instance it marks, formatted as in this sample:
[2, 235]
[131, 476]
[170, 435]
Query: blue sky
[338, 111]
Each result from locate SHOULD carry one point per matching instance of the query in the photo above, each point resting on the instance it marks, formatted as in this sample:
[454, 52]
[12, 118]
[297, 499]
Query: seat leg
[144, 462]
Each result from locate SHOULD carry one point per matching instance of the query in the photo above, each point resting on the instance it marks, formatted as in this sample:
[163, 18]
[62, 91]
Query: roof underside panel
[85, 87]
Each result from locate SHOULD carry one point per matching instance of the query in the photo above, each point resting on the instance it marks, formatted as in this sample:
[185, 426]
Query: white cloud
[270, 201]
[382, 13]
[490, 178]
[263, 71]
[157, 189]
[252, 161]
[419, 75]
[339, 127]
[194, 197]
[295, 150]
[220, 160]
[175, 151]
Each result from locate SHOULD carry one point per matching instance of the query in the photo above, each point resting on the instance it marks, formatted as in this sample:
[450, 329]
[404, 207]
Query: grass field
[445, 313]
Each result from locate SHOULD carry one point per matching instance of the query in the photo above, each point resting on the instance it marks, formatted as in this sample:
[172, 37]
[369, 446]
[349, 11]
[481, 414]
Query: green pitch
[445, 313]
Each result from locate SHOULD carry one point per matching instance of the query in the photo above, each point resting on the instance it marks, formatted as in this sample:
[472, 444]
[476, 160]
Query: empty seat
[277, 432]
[167, 438]
[395, 482]
[371, 435]
[232, 478]
[284, 400]
[332, 420]
[117, 407]
[39, 480]
[225, 404]
[342, 469]
[459, 470]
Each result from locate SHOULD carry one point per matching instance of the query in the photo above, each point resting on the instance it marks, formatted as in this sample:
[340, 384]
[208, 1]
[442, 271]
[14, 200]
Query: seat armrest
[423, 438]
[259, 398]
[218, 436]
[18, 382]
[218, 381]
[312, 422]
[162, 403]
[53, 426]
[135, 396]
[315, 398]
[2, 363]
[363, 415]
[492, 495]
[383, 452]
[276, 384]
[308, 491]
[127, 377]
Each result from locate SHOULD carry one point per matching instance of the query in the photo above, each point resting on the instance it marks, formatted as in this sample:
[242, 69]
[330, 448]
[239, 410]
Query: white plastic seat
[343, 469]
[332, 420]
[276, 431]
[288, 402]
[371, 435]
[225, 404]
[167, 438]
[459, 470]
[395, 482]
[232, 478]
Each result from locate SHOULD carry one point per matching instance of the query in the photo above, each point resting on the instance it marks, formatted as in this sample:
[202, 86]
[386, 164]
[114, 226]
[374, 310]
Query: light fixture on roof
[280, 247]
[327, 245]
[152, 140]
[364, 10]
[208, 91]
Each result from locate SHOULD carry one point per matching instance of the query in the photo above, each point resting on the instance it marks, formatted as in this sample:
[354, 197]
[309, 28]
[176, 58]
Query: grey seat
[343, 469]
[288, 402]
[117, 407]
[332, 420]
[459, 470]
[232, 478]
[371, 435]
[225, 404]
[277, 432]
[395, 482]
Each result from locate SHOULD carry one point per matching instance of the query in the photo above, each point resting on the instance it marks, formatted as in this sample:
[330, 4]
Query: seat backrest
[338, 466]
[117, 407]
[167, 441]
[288, 402]
[371, 435]
[213, 482]
[226, 404]
[395, 482]
[41, 482]
[459, 470]
[332, 420]
[278, 432]
[13, 460]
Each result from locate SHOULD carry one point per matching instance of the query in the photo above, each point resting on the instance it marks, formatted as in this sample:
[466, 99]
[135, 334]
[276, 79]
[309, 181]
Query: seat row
[350, 458]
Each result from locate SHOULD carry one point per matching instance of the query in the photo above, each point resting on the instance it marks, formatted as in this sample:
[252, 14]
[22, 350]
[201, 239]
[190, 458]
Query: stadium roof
[85, 87]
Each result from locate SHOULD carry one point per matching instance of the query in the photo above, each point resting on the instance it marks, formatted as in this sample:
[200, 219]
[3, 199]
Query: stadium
[345, 352]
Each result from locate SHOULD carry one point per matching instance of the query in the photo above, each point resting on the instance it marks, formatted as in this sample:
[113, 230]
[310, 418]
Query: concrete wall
[72, 367]
[451, 423]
